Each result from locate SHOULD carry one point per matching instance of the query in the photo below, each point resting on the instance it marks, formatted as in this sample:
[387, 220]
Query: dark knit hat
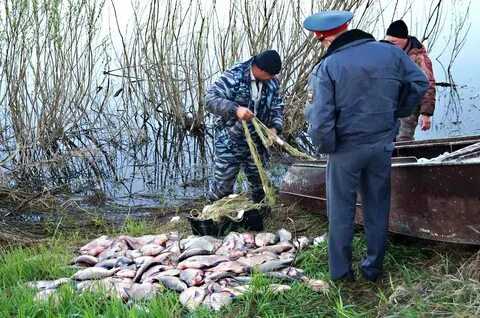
[398, 29]
[269, 61]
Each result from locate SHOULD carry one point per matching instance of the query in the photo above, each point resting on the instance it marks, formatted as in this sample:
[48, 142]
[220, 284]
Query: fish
[143, 268]
[317, 285]
[85, 260]
[192, 297]
[208, 243]
[193, 252]
[93, 273]
[126, 273]
[249, 239]
[153, 270]
[264, 239]
[256, 259]
[48, 284]
[96, 246]
[284, 235]
[302, 242]
[233, 241]
[151, 249]
[237, 291]
[192, 276]
[293, 272]
[133, 254]
[216, 301]
[108, 264]
[277, 248]
[215, 276]
[288, 254]
[202, 261]
[232, 266]
[160, 239]
[236, 254]
[169, 272]
[142, 259]
[319, 240]
[274, 265]
[172, 282]
[276, 288]
[142, 291]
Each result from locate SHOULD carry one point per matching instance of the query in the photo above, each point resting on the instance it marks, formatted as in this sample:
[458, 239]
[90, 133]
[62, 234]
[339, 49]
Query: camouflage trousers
[407, 127]
[229, 159]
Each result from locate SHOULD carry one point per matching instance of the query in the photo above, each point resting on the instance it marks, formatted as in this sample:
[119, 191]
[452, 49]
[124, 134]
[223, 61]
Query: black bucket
[252, 221]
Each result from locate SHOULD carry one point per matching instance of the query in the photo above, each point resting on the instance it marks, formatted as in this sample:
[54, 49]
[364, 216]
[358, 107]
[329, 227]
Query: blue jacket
[359, 90]
[233, 89]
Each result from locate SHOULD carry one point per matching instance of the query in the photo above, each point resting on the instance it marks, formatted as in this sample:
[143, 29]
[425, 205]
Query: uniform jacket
[359, 90]
[233, 89]
[418, 54]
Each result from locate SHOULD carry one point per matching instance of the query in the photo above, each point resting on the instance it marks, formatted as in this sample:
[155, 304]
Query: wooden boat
[430, 200]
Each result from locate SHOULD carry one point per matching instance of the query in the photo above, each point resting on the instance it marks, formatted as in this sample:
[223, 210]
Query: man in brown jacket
[397, 33]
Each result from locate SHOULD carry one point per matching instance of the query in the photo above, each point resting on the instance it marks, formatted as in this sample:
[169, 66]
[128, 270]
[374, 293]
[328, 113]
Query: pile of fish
[204, 270]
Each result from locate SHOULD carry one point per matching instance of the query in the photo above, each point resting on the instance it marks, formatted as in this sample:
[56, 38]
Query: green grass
[421, 280]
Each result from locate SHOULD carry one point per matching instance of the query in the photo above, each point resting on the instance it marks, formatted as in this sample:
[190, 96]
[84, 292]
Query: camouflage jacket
[233, 89]
[418, 54]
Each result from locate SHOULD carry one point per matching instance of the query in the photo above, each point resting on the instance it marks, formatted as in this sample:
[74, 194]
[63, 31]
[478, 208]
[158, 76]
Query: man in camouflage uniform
[397, 33]
[246, 90]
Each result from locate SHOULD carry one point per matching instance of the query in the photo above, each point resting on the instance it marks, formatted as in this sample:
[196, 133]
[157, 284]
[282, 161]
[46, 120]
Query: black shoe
[348, 277]
[370, 277]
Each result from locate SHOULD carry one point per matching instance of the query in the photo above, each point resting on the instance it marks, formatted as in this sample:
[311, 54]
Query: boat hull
[431, 201]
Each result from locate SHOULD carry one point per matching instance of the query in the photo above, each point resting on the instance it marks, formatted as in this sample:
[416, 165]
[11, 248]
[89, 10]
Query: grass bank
[422, 280]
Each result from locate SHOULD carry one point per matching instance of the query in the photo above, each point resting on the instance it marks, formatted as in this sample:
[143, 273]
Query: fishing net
[230, 207]
[234, 206]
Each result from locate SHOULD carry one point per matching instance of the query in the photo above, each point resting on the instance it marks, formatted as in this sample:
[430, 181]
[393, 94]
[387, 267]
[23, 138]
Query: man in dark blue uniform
[356, 94]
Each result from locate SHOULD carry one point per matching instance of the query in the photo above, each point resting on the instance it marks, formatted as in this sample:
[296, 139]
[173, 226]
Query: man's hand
[425, 122]
[243, 113]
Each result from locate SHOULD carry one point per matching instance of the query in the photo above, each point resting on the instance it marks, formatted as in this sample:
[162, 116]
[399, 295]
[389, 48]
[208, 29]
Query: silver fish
[277, 249]
[94, 273]
[85, 260]
[294, 272]
[257, 259]
[284, 235]
[142, 291]
[320, 240]
[216, 301]
[233, 241]
[249, 239]
[192, 276]
[171, 282]
[202, 261]
[48, 284]
[108, 264]
[274, 265]
[193, 297]
[264, 239]
[153, 270]
[133, 254]
[126, 273]
[144, 267]
[192, 252]
[302, 242]
[237, 290]
[215, 276]
[151, 249]
[317, 285]
[276, 288]
[96, 246]
[143, 259]
[233, 266]
[208, 243]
